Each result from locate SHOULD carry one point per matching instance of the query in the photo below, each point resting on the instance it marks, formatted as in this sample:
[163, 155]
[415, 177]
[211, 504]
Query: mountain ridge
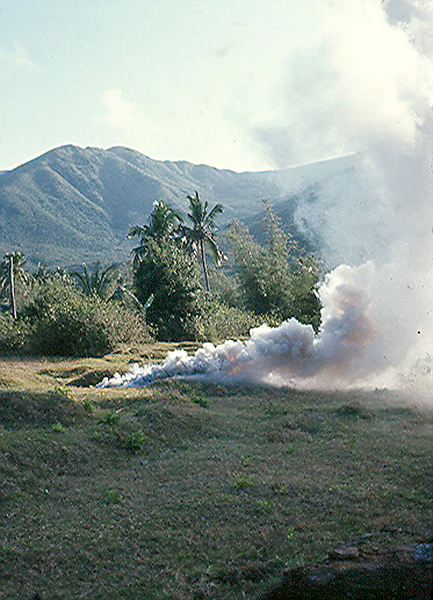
[74, 204]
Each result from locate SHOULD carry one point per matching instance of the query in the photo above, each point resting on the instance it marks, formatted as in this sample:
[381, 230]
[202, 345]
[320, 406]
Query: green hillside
[73, 204]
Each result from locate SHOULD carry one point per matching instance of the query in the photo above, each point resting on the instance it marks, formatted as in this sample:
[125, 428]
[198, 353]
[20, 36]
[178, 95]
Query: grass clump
[88, 406]
[58, 428]
[200, 400]
[243, 482]
[136, 440]
[111, 497]
[111, 418]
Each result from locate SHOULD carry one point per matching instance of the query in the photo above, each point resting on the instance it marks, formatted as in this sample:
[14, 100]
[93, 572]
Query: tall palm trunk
[12, 288]
[203, 262]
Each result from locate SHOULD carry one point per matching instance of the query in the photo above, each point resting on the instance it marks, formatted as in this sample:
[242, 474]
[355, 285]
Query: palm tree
[11, 272]
[163, 222]
[96, 282]
[201, 232]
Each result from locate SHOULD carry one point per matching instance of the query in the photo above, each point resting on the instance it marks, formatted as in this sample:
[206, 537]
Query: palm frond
[216, 210]
[137, 231]
[217, 254]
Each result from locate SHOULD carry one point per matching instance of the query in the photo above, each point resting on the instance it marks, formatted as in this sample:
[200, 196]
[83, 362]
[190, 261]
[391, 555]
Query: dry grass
[184, 490]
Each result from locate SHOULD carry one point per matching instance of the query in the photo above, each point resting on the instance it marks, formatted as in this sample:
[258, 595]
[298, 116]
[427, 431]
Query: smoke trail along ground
[350, 349]
[377, 316]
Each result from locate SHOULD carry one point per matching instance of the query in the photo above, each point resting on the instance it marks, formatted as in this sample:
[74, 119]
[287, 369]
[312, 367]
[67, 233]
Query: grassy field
[189, 490]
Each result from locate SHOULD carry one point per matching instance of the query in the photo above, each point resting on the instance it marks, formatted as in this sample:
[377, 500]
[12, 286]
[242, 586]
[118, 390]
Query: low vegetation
[192, 490]
[59, 320]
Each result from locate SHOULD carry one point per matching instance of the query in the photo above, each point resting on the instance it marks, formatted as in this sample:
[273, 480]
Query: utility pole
[12, 287]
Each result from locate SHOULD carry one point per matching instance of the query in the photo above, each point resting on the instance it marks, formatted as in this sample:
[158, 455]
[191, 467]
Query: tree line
[168, 291]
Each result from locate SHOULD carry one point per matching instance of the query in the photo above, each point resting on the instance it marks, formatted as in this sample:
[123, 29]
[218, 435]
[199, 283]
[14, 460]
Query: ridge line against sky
[328, 159]
[242, 85]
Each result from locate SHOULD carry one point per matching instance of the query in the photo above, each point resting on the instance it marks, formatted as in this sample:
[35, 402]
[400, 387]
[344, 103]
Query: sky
[198, 80]
[239, 84]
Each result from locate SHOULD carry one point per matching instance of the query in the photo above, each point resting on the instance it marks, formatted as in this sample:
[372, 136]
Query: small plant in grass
[112, 497]
[200, 400]
[64, 392]
[111, 418]
[243, 481]
[96, 436]
[265, 506]
[58, 428]
[88, 406]
[246, 460]
[228, 498]
[136, 440]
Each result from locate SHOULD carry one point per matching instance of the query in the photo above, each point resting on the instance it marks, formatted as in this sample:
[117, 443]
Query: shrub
[219, 322]
[167, 272]
[13, 334]
[136, 440]
[65, 322]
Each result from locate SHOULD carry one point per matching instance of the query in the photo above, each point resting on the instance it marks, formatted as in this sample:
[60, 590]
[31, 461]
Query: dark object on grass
[399, 573]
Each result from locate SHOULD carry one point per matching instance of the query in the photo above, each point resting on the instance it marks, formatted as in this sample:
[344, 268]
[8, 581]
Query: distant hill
[73, 204]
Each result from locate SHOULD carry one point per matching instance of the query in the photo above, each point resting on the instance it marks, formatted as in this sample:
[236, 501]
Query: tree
[200, 234]
[163, 222]
[12, 274]
[95, 283]
[167, 274]
[277, 279]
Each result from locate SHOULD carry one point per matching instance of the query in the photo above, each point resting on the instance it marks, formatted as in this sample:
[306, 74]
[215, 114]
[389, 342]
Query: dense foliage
[66, 322]
[219, 322]
[164, 222]
[276, 279]
[14, 335]
[167, 272]
[272, 282]
[60, 320]
[96, 282]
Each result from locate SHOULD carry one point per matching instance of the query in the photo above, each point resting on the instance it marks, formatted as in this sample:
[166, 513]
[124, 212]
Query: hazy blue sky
[174, 79]
[242, 84]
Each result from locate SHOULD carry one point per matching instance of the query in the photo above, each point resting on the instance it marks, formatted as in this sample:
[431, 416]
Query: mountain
[74, 204]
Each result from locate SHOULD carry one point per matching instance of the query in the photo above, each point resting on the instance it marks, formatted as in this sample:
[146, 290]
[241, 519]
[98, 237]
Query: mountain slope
[73, 204]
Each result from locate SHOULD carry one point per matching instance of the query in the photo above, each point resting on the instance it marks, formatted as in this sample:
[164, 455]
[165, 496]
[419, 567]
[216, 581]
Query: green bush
[136, 440]
[13, 334]
[220, 322]
[172, 276]
[65, 322]
[226, 287]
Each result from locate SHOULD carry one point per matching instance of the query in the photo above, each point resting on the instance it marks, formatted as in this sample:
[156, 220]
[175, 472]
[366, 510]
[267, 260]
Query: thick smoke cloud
[364, 86]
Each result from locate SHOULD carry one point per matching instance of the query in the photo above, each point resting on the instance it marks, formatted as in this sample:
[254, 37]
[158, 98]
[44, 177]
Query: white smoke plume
[366, 87]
